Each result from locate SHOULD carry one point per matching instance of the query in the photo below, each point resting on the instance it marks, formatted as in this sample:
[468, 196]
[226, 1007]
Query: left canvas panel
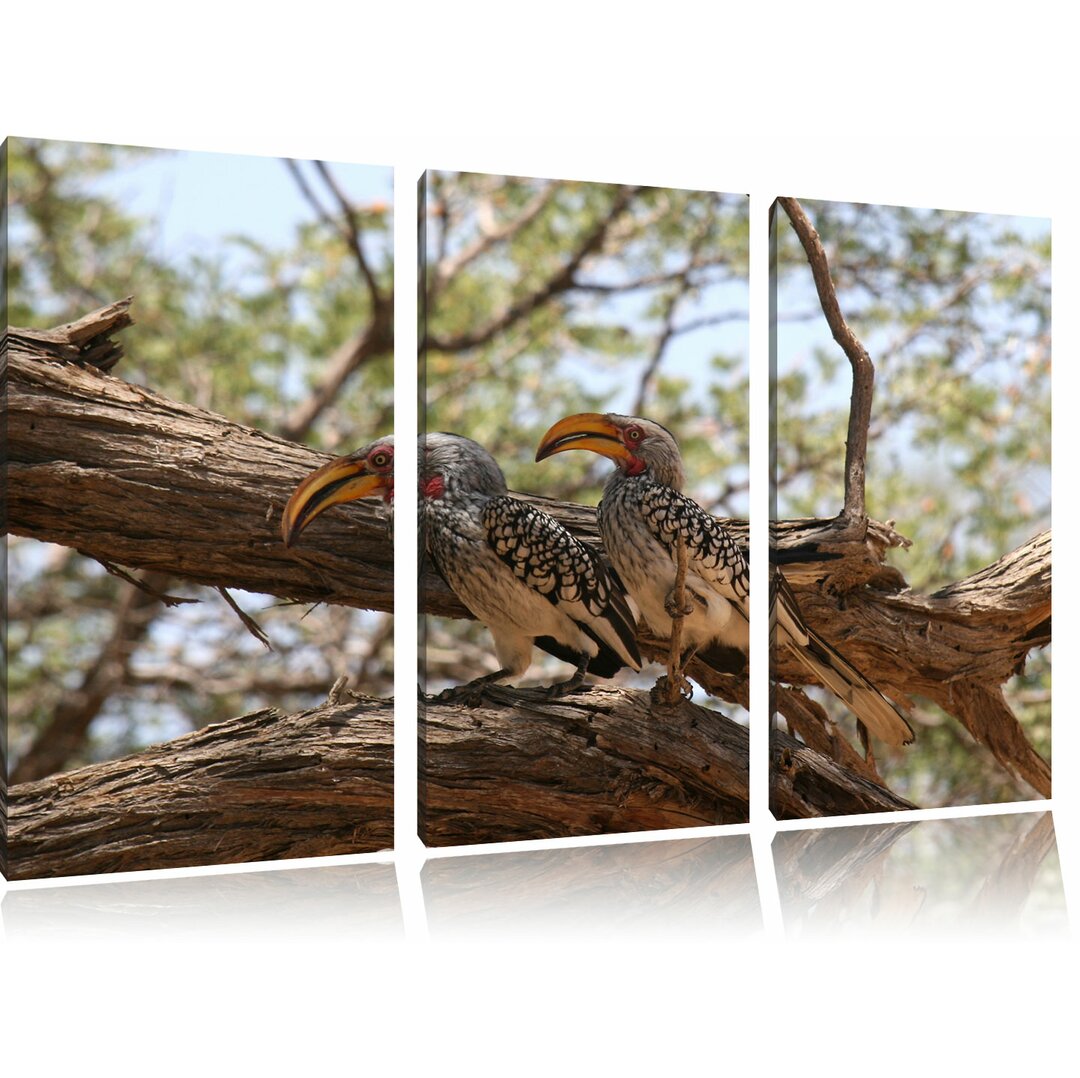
[198, 418]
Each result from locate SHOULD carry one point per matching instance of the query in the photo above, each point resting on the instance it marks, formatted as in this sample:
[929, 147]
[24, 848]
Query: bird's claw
[673, 609]
[671, 690]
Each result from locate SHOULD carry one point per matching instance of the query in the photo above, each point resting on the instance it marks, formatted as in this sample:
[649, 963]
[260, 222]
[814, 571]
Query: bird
[642, 516]
[519, 571]
[366, 473]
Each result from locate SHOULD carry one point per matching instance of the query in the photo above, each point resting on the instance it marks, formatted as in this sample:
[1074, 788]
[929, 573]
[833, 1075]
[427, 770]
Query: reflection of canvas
[225, 326]
[934, 580]
[620, 308]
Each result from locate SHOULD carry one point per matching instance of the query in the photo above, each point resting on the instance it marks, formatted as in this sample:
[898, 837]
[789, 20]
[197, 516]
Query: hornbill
[642, 517]
[367, 473]
[519, 570]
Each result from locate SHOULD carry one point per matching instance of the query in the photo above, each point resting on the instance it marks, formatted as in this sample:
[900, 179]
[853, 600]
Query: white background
[918, 105]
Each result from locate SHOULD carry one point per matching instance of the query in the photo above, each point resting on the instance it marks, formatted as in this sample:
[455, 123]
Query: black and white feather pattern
[550, 560]
[518, 569]
[711, 551]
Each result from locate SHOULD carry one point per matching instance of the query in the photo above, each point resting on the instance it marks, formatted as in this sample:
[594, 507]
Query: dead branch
[602, 762]
[257, 788]
[862, 367]
[127, 476]
[268, 786]
[804, 784]
[956, 647]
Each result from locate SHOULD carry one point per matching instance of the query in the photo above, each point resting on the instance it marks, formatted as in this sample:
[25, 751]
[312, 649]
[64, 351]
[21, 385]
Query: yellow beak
[586, 430]
[342, 480]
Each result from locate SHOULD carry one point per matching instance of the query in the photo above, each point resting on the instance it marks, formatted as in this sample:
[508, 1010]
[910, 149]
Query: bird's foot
[564, 688]
[673, 609]
[671, 689]
[471, 694]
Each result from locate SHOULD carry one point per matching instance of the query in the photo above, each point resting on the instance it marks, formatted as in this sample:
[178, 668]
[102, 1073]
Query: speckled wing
[712, 553]
[547, 558]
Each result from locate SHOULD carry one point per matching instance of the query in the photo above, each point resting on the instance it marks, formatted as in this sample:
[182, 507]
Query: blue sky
[200, 198]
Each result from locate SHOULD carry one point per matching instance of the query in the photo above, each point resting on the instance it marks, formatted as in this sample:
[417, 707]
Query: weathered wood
[128, 476]
[603, 762]
[804, 783]
[956, 647]
[256, 788]
[592, 763]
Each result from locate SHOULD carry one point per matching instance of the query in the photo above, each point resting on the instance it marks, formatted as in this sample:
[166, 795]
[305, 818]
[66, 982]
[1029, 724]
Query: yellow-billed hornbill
[367, 473]
[642, 516]
[518, 570]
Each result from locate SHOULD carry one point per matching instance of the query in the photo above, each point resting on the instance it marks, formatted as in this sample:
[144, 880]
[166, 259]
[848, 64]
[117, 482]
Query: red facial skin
[381, 461]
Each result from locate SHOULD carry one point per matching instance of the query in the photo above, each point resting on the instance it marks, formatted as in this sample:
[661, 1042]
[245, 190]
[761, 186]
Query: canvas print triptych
[199, 509]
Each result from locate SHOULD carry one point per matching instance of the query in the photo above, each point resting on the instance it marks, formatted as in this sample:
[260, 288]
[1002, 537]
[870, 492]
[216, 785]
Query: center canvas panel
[583, 486]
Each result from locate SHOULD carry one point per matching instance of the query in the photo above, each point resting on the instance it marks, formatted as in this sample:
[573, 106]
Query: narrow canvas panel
[608, 318]
[911, 508]
[198, 334]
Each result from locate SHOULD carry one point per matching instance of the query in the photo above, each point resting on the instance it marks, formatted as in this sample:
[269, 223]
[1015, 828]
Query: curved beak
[342, 480]
[586, 430]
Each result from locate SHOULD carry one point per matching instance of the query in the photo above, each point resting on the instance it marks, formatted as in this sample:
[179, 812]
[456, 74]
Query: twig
[249, 622]
[166, 600]
[676, 679]
[561, 280]
[446, 268]
[862, 367]
[351, 234]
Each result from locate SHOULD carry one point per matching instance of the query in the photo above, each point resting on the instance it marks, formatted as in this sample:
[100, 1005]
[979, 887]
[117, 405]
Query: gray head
[638, 446]
[451, 463]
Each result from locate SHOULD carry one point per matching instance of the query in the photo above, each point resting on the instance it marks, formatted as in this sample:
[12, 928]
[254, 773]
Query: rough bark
[602, 762]
[596, 763]
[129, 477]
[956, 647]
[256, 788]
[803, 783]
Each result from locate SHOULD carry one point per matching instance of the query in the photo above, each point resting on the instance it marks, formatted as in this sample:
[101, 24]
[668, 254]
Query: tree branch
[804, 784]
[562, 280]
[165, 486]
[261, 787]
[862, 367]
[956, 647]
[448, 266]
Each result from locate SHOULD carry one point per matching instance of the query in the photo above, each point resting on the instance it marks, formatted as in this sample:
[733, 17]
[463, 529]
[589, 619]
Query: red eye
[381, 458]
[634, 434]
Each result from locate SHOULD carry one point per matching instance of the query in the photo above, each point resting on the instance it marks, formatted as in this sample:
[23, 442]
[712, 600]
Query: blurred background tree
[262, 291]
[547, 297]
[954, 309]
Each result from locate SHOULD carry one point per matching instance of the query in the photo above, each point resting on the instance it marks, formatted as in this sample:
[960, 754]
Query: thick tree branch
[165, 486]
[803, 784]
[590, 763]
[956, 647]
[268, 786]
[261, 787]
[862, 368]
